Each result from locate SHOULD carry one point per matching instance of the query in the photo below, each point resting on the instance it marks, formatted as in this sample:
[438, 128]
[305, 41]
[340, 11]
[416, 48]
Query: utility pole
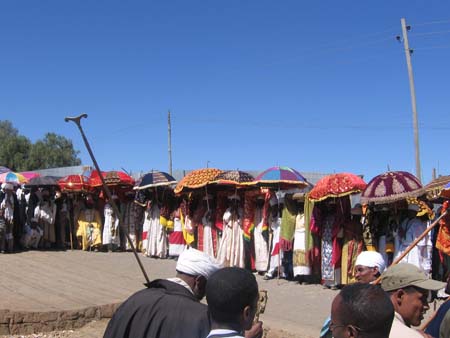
[170, 142]
[408, 52]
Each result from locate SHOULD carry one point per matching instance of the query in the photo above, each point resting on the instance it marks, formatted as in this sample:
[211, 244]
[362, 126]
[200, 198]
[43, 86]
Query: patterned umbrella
[337, 185]
[281, 175]
[29, 174]
[42, 181]
[12, 177]
[75, 183]
[445, 191]
[111, 178]
[391, 186]
[155, 179]
[233, 177]
[4, 169]
[197, 179]
[434, 188]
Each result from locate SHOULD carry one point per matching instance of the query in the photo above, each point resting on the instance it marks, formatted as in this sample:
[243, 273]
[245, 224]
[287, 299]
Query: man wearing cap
[408, 288]
[168, 307]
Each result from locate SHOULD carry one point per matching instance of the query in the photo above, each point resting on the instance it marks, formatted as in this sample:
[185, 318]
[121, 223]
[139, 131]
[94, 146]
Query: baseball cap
[404, 274]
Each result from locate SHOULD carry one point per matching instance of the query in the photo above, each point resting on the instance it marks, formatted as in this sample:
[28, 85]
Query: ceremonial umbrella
[337, 185]
[391, 186]
[111, 178]
[196, 179]
[155, 179]
[281, 176]
[233, 177]
[434, 188]
[42, 181]
[12, 177]
[75, 183]
[29, 174]
[445, 191]
[4, 169]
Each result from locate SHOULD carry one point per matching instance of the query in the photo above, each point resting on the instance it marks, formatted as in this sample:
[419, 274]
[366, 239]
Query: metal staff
[413, 244]
[77, 121]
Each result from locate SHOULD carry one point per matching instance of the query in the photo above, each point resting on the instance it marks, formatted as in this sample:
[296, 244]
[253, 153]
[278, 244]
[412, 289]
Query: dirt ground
[39, 281]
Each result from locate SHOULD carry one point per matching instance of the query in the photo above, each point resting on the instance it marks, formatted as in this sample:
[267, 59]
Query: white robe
[155, 244]
[111, 227]
[276, 255]
[45, 212]
[208, 245]
[420, 255]
[261, 245]
[231, 248]
[300, 269]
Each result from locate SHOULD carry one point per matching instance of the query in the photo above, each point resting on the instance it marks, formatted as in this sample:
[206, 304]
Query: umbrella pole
[71, 216]
[77, 121]
[413, 244]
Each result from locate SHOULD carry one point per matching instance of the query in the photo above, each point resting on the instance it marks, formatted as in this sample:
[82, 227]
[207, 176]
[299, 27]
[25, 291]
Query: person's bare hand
[256, 331]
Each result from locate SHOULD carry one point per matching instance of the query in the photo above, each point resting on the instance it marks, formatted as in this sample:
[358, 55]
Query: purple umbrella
[283, 176]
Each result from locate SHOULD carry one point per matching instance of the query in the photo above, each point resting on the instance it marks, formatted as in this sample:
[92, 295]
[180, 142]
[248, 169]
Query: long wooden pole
[77, 121]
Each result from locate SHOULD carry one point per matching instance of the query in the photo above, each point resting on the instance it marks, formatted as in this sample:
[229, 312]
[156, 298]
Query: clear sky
[316, 85]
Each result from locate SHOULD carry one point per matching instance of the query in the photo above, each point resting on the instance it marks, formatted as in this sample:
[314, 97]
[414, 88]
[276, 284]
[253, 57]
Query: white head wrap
[371, 259]
[194, 262]
[8, 186]
[273, 200]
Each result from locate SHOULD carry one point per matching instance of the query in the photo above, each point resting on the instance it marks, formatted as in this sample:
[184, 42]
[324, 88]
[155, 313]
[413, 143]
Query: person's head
[8, 188]
[413, 209]
[369, 266]
[45, 193]
[89, 202]
[361, 310]
[195, 267]
[408, 287]
[232, 296]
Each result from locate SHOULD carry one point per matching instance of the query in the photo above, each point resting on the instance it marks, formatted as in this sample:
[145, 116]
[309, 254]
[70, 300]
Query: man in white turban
[369, 266]
[168, 307]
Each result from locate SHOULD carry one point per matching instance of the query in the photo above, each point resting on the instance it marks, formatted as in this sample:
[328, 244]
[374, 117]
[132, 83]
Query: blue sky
[316, 85]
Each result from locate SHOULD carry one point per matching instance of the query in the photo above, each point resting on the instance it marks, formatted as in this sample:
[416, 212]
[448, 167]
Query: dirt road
[52, 282]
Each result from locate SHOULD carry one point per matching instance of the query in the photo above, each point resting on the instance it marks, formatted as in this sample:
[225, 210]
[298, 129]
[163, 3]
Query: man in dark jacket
[168, 307]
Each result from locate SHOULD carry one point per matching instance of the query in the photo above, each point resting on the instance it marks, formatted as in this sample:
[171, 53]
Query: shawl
[443, 237]
[287, 230]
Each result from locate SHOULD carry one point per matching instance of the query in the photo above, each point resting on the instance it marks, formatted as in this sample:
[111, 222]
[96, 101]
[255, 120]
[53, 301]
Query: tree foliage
[18, 153]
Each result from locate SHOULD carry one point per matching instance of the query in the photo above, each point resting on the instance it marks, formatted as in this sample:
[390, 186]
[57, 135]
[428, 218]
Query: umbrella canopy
[42, 181]
[4, 169]
[391, 186]
[281, 175]
[434, 188]
[29, 174]
[337, 185]
[155, 179]
[111, 178]
[12, 177]
[445, 191]
[74, 183]
[197, 179]
[233, 177]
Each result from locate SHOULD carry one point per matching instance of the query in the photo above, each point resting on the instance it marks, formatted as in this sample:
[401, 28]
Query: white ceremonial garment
[231, 248]
[111, 226]
[261, 245]
[301, 267]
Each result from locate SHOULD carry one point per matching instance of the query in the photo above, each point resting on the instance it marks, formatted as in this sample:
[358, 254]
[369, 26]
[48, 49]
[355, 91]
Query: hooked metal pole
[77, 121]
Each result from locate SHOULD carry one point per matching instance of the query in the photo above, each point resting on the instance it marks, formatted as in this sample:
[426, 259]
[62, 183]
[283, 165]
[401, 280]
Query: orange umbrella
[197, 179]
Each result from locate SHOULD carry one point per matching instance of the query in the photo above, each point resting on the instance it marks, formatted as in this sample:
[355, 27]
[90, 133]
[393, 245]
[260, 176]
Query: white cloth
[231, 248]
[276, 255]
[224, 333]
[300, 247]
[197, 263]
[111, 226]
[371, 259]
[261, 245]
[207, 223]
[176, 240]
[420, 255]
[155, 239]
[400, 330]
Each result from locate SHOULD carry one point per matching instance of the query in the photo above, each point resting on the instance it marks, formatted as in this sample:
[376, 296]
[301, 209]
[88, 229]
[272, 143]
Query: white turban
[371, 259]
[195, 263]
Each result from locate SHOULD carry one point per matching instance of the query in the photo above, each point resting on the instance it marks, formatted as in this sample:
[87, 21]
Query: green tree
[14, 148]
[51, 152]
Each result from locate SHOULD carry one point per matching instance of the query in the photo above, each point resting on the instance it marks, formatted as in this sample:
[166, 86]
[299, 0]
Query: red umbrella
[391, 186]
[337, 185]
[75, 183]
[111, 178]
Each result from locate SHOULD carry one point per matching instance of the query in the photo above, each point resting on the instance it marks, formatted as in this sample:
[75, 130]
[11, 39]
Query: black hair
[367, 307]
[228, 292]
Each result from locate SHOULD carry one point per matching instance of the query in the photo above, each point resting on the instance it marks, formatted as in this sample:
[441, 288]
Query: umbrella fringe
[392, 198]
